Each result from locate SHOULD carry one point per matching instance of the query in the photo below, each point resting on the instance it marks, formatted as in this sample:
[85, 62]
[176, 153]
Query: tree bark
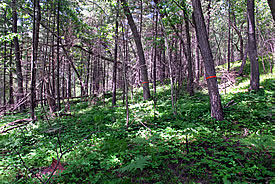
[202, 36]
[252, 47]
[11, 99]
[243, 61]
[155, 58]
[229, 38]
[17, 56]
[190, 79]
[271, 4]
[53, 58]
[142, 62]
[5, 61]
[36, 24]
[57, 57]
[115, 59]
[198, 62]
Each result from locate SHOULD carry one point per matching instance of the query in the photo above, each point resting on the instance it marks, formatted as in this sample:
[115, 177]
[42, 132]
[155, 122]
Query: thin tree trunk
[11, 99]
[170, 67]
[69, 81]
[243, 60]
[198, 61]
[155, 58]
[63, 79]
[17, 56]
[115, 59]
[5, 61]
[125, 43]
[215, 101]
[252, 47]
[57, 57]
[81, 71]
[241, 49]
[82, 84]
[229, 38]
[142, 62]
[190, 79]
[88, 74]
[53, 61]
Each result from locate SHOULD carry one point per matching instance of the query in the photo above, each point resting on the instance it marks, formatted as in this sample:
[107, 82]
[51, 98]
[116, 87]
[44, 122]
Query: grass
[158, 147]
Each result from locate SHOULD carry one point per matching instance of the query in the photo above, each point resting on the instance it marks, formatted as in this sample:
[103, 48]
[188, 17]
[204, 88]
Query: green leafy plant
[140, 162]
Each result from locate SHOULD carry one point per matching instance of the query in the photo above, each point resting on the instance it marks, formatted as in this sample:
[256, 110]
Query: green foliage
[140, 162]
[157, 147]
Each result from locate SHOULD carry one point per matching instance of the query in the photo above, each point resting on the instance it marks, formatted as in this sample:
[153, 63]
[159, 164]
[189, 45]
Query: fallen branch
[21, 122]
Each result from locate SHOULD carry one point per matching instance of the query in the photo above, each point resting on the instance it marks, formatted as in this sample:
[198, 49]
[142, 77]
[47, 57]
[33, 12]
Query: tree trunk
[142, 62]
[271, 4]
[198, 62]
[36, 24]
[252, 47]
[88, 74]
[69, 80]
[155, 59]
[115, 59]
[229, 38]
[215, 101]
[57, 58]
[167, 49]
[5, 61]
[243, 60]
[125, 43]
[11, 99]
[53, 60]
[17, 56]
[190, 79]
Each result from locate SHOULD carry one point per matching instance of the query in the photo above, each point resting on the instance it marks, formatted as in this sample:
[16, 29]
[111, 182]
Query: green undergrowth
[158, 146]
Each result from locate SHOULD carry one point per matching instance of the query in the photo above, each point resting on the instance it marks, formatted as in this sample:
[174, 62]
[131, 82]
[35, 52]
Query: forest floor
[158, 146]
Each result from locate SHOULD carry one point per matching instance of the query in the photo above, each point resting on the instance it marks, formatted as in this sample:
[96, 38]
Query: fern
[261, 143]
[140, 162]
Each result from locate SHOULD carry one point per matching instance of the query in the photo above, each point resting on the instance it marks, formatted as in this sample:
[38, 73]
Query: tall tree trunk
[169, 56]
[198, 61]
[36, 24]
[142, 62]
[69, 80]
[88, 74]
[4, 77]
[215, 101]
[271, 4]
[252, 47]
[229, 38]
[63, 79]
[11, 98]
[115, 59]
[125, 44]
[155, 58]
[53, 60]
[5, 60]
[190, 79]
[17, 56]
[57, 57]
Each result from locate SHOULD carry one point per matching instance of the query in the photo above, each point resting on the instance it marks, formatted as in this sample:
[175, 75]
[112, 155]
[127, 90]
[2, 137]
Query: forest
[145, 91]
